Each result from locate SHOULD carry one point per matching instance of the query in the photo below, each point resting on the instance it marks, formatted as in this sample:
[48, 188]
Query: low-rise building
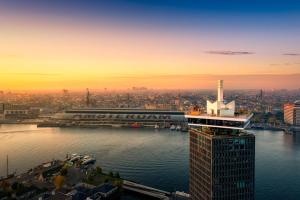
[292, 113]
[13, 111]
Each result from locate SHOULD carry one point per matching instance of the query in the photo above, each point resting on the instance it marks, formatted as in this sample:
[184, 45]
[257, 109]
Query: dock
[145, 190]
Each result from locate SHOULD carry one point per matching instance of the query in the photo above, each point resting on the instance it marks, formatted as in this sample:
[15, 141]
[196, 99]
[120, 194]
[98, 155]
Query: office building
[292, 113]
[222, 153]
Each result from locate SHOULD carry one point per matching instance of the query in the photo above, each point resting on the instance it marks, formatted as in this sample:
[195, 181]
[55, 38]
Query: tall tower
[220, 91]
[222, 155]
[88, 97]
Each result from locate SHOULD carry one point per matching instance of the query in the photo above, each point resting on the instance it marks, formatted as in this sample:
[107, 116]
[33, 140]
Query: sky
[160, 44]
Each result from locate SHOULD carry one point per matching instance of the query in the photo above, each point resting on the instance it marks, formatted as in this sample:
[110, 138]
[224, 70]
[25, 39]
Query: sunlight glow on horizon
[48, 53]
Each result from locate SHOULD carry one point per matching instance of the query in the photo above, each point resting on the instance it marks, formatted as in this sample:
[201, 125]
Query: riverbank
[70, 177]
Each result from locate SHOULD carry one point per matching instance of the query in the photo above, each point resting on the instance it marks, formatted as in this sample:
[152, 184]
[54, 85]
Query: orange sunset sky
[47, 50]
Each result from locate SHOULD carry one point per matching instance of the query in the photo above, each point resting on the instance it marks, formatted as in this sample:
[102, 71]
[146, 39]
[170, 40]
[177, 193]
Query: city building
[116, 118]
[13, 111]
[222, 153]
[292, 113]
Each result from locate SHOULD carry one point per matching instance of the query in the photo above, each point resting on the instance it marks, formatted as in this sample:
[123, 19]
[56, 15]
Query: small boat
[116, 125]
[136, 125]
[88, 161]
[86, 157]
[75, 158]
[178, 128]
[185, 129]
[156, 126]
[74, 154]
[173, 127]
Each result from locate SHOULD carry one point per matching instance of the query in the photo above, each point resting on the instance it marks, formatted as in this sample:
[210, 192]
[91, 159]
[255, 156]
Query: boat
[73, 155]
[88, 161]
[135, 125]
[184, 129]
[156, 126]
[173, 127]
[75, 158]
[86, 157]
[116, 125]
[178, 128]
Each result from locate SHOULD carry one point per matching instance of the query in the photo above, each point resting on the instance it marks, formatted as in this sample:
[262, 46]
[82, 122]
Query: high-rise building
[222, 153]
[292, 113]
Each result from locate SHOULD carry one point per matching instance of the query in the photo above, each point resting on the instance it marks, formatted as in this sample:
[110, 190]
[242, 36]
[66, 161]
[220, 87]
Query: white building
[220, 114]
[220, 107]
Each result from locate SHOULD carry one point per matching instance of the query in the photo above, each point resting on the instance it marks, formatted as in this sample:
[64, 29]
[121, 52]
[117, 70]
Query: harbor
[76, 177]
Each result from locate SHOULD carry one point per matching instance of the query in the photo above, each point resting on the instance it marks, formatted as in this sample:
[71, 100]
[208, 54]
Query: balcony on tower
[220, 116]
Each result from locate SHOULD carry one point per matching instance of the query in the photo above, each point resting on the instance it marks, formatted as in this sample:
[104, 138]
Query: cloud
[230, 53]
[291, 54]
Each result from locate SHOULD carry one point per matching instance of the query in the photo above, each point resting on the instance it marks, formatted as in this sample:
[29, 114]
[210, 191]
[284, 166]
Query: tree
[117, 175]
[64, 171]
[98, 170]
[14, 186]
[90, 177]
[4, 185]
[59, 181]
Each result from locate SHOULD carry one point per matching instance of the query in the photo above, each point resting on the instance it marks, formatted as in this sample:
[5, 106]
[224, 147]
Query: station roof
[124, 111]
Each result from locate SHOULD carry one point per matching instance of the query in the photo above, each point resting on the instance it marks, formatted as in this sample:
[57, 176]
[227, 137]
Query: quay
[145, 190]
[76, 177]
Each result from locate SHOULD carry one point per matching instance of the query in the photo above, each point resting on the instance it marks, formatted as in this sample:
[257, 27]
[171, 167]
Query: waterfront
[155, 158]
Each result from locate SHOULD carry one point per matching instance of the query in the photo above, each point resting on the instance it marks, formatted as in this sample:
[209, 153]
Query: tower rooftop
[220, 115]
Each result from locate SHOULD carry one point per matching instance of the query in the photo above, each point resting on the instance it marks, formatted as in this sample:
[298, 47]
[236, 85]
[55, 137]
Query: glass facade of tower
[222, 164]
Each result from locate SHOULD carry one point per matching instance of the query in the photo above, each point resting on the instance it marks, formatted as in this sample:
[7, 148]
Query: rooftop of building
[291, 105]
[105, 188]
[123, 111]
[216, 134]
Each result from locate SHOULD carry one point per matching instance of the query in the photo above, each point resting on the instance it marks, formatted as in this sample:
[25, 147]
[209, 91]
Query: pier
[145, 190]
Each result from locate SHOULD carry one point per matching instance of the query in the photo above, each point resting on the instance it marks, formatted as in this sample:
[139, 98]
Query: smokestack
[220, 90]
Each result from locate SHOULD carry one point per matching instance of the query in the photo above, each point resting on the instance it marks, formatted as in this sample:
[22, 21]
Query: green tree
[117, 175]
[98, 170]
[64, 171]
[59, 181]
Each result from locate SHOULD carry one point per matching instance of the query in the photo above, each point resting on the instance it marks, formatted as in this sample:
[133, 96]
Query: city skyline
[155, 44]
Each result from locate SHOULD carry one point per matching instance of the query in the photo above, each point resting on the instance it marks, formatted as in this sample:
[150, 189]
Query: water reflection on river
[155, 158]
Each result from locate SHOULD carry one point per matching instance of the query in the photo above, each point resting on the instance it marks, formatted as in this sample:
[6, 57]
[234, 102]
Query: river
[157, 158]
